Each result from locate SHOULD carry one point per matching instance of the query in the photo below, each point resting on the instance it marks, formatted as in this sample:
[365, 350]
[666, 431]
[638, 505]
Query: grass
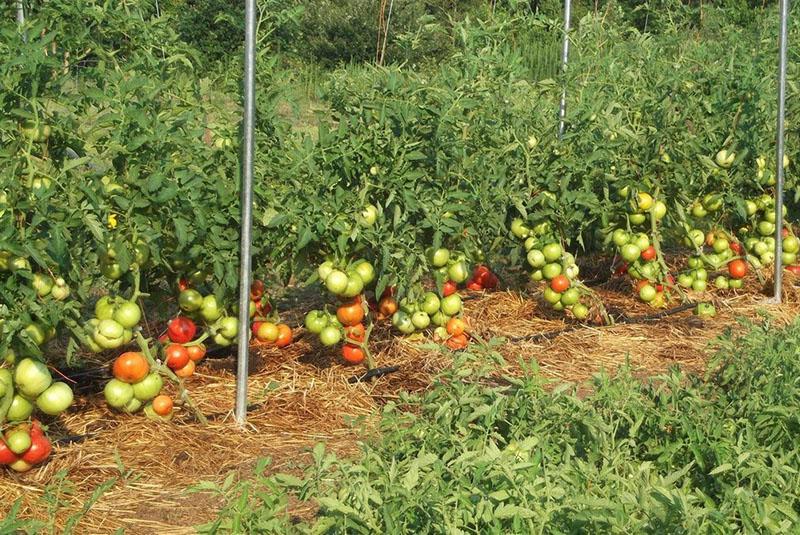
[671, 454]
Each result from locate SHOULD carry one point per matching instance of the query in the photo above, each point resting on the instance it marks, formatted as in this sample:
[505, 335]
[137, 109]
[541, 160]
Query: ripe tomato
[737, 269]
[130, 367]
[162, 405]
[449, 288]
[736, 247]
[164, 339]
[784, 232]
[350, 313]
[176, 356]
[267, 332]
[622, 269]
[474, 285]
[356, 333]
[457, 342]
[40, 446]
[387, 306]
[649, 253]
[284, 335]
[352, 354]
[793, 269]
[456, 326]
[256, 290]
[183, 284]
[196, 352]
[559, 283]
[490, 281]
[256, 326]
[187, 370]
[389, 291]
[181, 330]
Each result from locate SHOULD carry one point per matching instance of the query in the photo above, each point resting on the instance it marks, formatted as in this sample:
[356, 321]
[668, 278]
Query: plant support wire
[779, 152]
[562, 109]
[245, 257]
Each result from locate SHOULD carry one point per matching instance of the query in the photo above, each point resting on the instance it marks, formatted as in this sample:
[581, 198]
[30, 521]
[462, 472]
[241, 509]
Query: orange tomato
[186, 371]
[196, 352]
[649, 254]
[176, 356]
[560, 283]
[351, 313]
[387, 306]
[356, 333]
[457, 342]
[456, 326]
[162, 405]
[284, 335]
[352, 354]
[267, 332]
[737, 268]
[131, 367]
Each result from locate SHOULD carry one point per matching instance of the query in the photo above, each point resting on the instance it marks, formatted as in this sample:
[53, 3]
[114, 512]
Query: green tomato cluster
[548, 260]
[132, 397]
[29, 387]
[326, 326]
[45, 285]
[110, 267]
[447, 265]
[429, 310]
[113, 323]
[346, 281]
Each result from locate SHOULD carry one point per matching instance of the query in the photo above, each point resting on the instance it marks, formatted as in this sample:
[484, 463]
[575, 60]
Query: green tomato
[141, 253]
[336, 282]
[699, 285]
[127, 314]
[720, 245]
[750, 208]
[421, 320]
[570, 297]
[705, 310]
[18, 441]
[20, 409]
[551, 271]
[647, 293]
[536, 258]
[190, 300]
[787, 259]
[766, 228]
[440, 319]
[685, 280]
[148, 388]
[209, 309]
[438, 257]
[580, 311]
[228, 327]
[659, 210]
[368, 216]
[451, 305]
[430, 303]
[325, 269]
[118, 393]
[642, 241]
[552, 252]
[698, 211]
[222, 340]
[355, 285]
[111, 269]
[537, 275]
[695, 262]
[701, 274]
[402, 322]
[760, 248]
[56, 399]
[620, 237]
[767, 258]
[330, 336]
[316, 320]
[551, 296]
[630, 252]
[736, 283]
[36, 333]
[636, 219]
[721, 283]
[366, 271]
[43, 284]
[133, 406]
[32, 377]
[520, 229]
[530, 243]
[458, 272]
[791, 244]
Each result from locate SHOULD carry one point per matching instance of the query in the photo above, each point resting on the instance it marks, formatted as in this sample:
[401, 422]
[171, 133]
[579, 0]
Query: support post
[779, 152]
[245, 259]
[562, 109]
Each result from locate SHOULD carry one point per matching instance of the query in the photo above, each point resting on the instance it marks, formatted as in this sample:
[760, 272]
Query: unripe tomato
[148, 388]
[438, 257]
[268, 332]
[55, 400]
[330, 336]
[190, 300]
[451, 305]
[580, 311]
[552, 252]
[118, 393]
[336, 282]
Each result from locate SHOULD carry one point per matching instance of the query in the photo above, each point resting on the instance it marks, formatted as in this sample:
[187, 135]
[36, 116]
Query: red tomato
[491, 281]
[649, 254]
[793, 269]
[559, 283]
[736, 247]
[176, 356]
[181, 330]
[456, 326]
[784, 232]
[449, 288]
[284, 335]
[457, 342]
[130, 367]
[356, 333]
[352, 354]
[254, 328]
[183, 284]
[621, 270]
[256, 290]
[6, 455]
[474, 285]
[196, 352]
[350, 313]
[40, 446]
[737, 268]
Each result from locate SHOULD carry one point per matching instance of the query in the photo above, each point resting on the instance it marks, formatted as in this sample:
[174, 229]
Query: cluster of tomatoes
[45, 285]
[447, 266]
[715, 251]
[110, 266]
[23, 446]
[182, 351]
[482, 279]
[348, 323]
[264, 330]
[223, 328]
[113, 323]
[759, 237]
[549, 262]
[29, 387]
[136, 387]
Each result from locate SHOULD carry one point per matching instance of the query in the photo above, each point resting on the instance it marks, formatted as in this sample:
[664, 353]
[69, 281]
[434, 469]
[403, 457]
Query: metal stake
[20, 13]
[562, 110]
[245, 259]
[784, 38]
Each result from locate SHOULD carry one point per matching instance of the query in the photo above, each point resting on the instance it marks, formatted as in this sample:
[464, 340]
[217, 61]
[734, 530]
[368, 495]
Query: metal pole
[784, 38]
[20, 13]
[562, 110]
[247, 207]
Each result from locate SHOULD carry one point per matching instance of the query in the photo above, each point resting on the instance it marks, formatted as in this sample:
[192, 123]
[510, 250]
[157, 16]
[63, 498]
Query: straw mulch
[301, 396]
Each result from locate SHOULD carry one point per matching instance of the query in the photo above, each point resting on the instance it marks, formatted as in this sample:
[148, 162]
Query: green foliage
[671, 454]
